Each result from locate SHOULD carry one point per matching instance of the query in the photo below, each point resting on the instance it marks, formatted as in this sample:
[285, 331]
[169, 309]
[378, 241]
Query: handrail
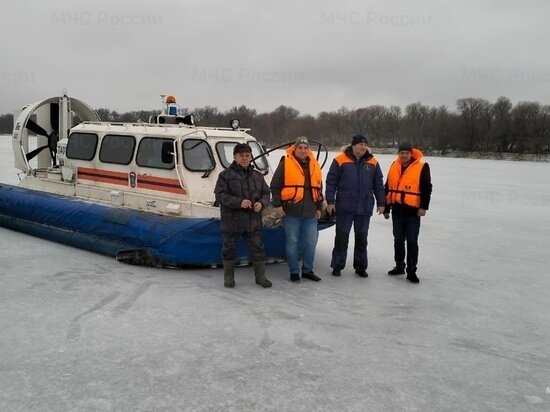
[321, 147]
[147, 124]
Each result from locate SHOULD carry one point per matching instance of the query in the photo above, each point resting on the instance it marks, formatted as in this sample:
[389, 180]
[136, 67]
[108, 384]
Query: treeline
[6, 123]
[475, 125]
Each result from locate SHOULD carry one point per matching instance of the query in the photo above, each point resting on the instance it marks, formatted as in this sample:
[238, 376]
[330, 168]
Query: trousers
[343, 227]
[406, 229]
[253, 240]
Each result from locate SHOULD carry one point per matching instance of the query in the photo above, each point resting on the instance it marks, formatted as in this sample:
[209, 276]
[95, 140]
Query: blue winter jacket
[352, 184]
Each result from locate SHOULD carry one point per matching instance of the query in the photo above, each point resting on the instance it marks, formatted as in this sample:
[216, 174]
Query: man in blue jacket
[353, 181]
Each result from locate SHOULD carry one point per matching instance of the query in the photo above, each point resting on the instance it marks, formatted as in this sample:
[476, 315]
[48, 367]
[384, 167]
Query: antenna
[163, 103]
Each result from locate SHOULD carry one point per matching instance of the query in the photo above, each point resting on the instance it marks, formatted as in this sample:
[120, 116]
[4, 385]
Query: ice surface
[79, 331]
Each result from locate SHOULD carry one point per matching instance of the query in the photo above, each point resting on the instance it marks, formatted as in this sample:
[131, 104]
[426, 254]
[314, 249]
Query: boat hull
[132, 236]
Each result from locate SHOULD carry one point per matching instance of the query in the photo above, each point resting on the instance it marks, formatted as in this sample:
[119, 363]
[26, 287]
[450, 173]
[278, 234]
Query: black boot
[411, 276]
[311, 276]
[362, 273]
[259, 274]
[336, 272]
[229, 273]
[295, 277]
[397, 270]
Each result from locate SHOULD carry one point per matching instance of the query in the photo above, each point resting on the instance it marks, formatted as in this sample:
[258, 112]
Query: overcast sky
[311, 55]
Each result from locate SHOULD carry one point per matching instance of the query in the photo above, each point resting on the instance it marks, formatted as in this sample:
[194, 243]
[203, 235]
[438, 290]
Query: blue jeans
[343, 227]
[301, 238]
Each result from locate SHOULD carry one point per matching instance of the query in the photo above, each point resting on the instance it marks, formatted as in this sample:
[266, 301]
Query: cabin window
[197, 155]
[225, 153]
[156, 153]
[261, 162]
[82, 146]
[118, 149]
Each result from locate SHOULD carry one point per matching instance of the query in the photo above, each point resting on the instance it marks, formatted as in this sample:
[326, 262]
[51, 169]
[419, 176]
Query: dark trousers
[406, 228]
[253, 240]
[340, 251]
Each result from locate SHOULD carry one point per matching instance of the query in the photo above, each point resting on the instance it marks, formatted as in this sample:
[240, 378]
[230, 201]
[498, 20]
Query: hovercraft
[140, 192]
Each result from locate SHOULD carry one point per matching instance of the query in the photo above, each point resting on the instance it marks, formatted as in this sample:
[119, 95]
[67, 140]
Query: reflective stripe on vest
[294, 179]
[404, 188]
[343, 158]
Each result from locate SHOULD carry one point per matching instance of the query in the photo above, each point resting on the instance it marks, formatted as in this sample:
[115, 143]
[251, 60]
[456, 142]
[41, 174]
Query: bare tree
[500, 132]
[476, 115]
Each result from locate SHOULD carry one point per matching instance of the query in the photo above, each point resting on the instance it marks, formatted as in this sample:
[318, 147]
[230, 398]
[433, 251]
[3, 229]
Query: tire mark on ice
[301, 341]
[128, 303]
[266, 341]
[73, 334]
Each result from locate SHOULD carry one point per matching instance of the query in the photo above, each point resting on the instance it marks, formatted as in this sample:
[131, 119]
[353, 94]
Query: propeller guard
[51, 120]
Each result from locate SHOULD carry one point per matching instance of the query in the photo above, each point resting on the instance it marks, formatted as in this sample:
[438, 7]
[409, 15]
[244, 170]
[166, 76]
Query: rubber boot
[259, 274]
[229, 273]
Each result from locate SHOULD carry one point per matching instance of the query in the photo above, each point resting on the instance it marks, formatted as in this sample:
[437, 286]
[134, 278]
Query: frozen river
[80, 331]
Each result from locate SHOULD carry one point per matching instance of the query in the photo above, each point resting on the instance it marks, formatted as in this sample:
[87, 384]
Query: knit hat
[301, 140]
[242, 148]
[405, 147]
[358, 138]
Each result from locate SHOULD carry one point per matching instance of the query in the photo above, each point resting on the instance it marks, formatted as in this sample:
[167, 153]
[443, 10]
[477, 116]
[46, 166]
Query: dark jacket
[306, 207]
[425, 185]
[353, 186]
[233, 186]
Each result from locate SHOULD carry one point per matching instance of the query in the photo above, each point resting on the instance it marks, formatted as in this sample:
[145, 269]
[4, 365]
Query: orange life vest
[404, 188]
[294, 179]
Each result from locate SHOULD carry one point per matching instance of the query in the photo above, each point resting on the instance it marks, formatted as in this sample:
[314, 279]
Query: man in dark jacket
[297, 188]
[242, 193]
[408, 192]
[353, 181]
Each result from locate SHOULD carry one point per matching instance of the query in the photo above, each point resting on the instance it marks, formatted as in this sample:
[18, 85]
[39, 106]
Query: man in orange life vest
[353, 182]
[408, 192]
[297, 188]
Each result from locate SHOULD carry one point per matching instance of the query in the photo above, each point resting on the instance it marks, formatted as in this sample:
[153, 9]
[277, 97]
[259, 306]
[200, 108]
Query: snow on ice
[80, 331]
